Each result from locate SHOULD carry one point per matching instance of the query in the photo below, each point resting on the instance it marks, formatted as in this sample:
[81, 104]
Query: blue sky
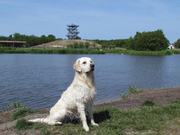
[98, 19]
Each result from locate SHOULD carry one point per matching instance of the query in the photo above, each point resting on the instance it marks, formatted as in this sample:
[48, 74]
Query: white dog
[79, 96]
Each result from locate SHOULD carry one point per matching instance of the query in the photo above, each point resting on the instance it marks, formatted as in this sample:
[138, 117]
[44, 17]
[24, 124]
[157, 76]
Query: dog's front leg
[90, 114]
[81, 110]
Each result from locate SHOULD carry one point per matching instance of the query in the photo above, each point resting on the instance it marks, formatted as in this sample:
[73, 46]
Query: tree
[177, 43]
[31, 40]
[153, 41]
[72, 32]
[51, 37]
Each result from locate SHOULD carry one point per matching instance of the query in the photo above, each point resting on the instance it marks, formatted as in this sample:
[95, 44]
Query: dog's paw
[86, 128]
[58, 123]
[95, 124]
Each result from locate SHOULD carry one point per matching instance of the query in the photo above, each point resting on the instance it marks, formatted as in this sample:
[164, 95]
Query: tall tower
[72, 32]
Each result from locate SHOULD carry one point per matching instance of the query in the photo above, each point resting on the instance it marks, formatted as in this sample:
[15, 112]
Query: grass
[19, 110]
[22, 124]
[176, 51]
[87, 51]
[142, 53]
[15, 105]
[51, 51]
[152, 120]
[131, 90]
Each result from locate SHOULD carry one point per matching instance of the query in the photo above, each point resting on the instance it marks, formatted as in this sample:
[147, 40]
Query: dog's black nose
[92, 65]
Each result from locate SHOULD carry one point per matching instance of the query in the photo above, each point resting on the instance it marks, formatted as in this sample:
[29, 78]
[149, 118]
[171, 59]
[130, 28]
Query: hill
[69, 44]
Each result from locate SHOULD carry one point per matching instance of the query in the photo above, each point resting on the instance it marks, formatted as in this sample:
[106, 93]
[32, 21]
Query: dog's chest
[86, 94]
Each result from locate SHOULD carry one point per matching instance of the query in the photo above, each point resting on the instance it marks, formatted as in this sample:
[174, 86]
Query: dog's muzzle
[92, 67]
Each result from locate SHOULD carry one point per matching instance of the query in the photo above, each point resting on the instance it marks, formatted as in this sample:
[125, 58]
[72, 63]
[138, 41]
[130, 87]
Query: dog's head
[84, 64]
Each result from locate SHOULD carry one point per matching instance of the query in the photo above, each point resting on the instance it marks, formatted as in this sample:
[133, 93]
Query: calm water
[38, 80]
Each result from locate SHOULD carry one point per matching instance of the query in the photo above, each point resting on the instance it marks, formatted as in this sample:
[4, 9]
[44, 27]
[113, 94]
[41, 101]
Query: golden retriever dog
[78, 97]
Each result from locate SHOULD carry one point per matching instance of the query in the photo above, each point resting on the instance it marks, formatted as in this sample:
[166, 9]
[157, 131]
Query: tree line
[31, 40]
[142, 41]
[114, 43]
[149, 41]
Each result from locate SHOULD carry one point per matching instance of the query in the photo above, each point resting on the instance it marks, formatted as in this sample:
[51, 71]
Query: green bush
[133, 90]
[149, 41]
[21, 112]
[148, 103]
[169, 52]
[31, 40]
[14, 105]
[115, 43]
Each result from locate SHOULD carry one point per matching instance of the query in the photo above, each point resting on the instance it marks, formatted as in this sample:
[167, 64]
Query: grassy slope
[148, 120]
[66, 43]
[152, 120]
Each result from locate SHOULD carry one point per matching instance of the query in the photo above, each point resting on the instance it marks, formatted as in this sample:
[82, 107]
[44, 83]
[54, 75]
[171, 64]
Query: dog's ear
[77, 66]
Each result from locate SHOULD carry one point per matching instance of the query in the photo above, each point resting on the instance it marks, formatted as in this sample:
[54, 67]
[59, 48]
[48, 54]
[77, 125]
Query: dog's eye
[84, 62]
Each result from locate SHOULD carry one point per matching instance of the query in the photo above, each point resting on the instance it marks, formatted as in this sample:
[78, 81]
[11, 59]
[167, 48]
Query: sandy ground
[66, 43]
[158, 96]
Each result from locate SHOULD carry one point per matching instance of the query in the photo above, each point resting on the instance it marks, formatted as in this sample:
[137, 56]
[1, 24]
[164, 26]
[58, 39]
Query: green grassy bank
[87, 51]
[146, 120]
[50, 51]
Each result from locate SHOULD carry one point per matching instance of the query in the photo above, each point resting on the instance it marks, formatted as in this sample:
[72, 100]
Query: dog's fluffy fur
[79, 96]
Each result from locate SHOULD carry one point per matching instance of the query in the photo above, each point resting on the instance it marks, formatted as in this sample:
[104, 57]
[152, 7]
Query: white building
[171, 47]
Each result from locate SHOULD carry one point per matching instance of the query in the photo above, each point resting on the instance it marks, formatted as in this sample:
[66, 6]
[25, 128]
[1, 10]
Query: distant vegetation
[177, 43]
[83, 45]
[116, 43]
[31, 40]
[149, 41]
[143, 43]
[51, 50]
[86, 51]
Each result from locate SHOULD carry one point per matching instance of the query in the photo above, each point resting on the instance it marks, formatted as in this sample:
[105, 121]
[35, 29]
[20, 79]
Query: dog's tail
[40, 120]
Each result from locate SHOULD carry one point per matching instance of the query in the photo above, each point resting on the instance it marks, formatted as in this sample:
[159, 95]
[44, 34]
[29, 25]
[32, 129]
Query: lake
[37, 80]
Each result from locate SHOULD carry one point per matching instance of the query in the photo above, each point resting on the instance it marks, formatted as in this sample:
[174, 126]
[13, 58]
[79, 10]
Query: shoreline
[159, 97]
[156, 99]
[86, 51]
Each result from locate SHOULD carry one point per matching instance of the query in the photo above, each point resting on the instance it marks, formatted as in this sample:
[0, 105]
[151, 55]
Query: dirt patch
[5, 116]
[158, 96]
[24, 132]
[7, 124]
[133, 132]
